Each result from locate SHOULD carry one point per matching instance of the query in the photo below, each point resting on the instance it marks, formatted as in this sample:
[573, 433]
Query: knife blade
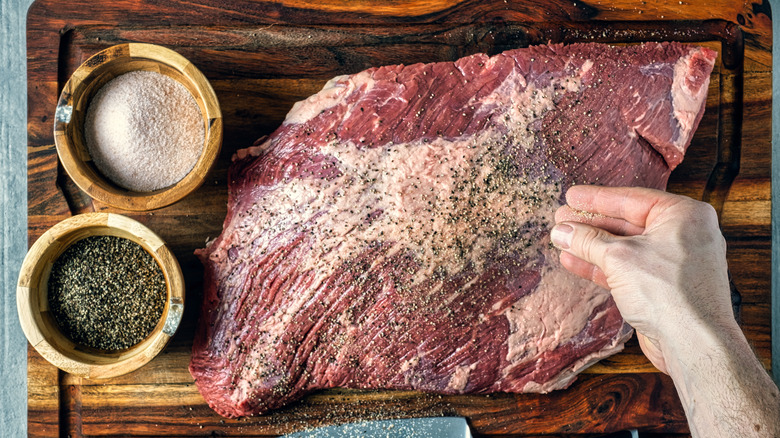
[439, 427]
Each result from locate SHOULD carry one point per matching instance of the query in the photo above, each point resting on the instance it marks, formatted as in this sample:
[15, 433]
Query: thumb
[583, 241]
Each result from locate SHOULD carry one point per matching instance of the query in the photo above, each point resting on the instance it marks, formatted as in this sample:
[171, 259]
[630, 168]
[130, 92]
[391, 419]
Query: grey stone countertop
[13, 213]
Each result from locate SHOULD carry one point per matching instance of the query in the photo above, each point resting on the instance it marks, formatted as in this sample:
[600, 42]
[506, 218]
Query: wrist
[699, 343]
[701, 351]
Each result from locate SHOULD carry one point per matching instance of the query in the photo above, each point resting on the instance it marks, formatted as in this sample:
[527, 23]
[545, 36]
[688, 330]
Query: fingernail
[561, 236]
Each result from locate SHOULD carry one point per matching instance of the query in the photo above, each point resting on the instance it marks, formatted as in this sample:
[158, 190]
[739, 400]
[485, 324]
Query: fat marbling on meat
[393, 232]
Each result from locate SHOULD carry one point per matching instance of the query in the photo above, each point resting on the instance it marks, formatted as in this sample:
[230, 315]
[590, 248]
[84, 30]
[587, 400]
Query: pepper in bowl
[99, 295]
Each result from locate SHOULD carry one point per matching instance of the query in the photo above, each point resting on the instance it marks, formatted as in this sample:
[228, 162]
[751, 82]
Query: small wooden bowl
[39, 325]
[82, 87]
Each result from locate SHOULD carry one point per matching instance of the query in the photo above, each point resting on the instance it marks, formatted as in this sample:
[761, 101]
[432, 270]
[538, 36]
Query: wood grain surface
[262, 56]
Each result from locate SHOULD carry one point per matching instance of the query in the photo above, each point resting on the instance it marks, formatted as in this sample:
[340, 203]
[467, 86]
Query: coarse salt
[144, 131]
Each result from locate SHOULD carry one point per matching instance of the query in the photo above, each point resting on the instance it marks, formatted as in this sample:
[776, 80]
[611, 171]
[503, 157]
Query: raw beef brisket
[394, 231]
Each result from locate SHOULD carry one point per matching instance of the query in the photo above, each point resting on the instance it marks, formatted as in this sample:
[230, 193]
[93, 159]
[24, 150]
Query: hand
[661, 255]
[664, 260]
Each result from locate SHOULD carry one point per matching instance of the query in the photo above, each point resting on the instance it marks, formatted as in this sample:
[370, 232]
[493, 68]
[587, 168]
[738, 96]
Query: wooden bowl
[82, 87]
[42, 330]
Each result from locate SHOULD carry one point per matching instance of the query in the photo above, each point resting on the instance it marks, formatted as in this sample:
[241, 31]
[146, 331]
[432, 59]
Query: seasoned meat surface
[393, 232]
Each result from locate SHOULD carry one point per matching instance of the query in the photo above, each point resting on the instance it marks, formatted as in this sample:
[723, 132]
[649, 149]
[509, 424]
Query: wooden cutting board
[262, 56]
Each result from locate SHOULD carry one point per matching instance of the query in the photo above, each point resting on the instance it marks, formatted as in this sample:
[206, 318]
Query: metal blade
[441, 427]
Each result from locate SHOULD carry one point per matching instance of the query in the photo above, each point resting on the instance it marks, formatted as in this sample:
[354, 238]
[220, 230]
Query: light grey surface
[13, 212]
[444, 427]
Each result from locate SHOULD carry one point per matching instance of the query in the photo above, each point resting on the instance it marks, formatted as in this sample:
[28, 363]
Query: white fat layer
[330, 95]
[586, 66]
[557, 310]
[685, 102]
[568, 375]
[409, 364]
[431, 199]
[460, 377]
[448, 203]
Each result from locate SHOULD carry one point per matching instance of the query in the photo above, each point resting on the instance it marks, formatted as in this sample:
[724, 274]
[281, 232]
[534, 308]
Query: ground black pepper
[106, 292]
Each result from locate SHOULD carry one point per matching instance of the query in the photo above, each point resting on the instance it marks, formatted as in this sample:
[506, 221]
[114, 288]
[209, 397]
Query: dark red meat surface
[393, 232]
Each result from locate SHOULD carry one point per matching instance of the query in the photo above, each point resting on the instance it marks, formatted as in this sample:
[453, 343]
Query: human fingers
[586, 270]
[583, 241]
[620, 227]
[633, 204]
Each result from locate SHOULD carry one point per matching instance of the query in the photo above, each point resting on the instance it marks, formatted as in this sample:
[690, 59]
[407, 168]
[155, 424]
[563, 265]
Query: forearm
[724, 389]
